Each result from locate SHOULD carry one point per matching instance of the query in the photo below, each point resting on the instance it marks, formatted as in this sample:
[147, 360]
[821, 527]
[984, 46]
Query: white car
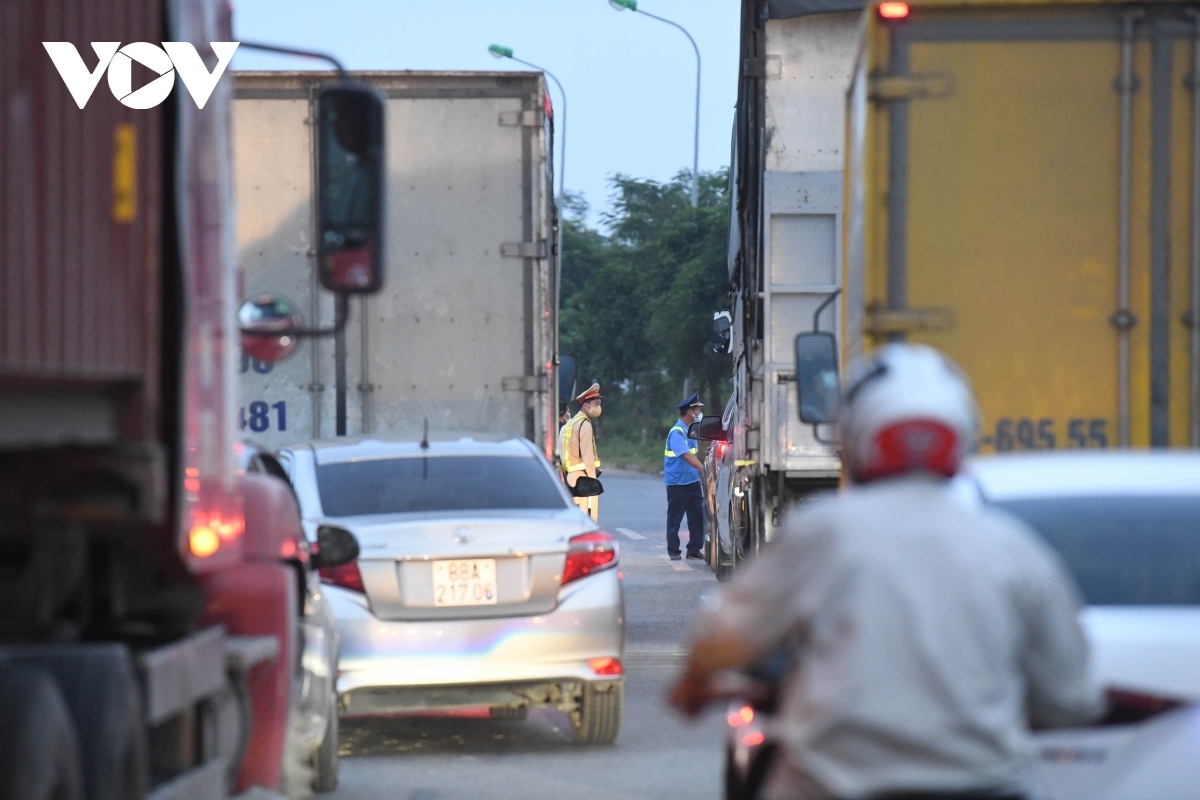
[479, 583]
[1127, 524]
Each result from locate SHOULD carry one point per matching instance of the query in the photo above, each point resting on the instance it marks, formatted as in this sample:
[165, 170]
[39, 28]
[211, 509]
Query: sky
[630, 80]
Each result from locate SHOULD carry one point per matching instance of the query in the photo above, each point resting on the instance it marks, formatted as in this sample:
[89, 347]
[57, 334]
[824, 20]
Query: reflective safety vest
[668, 452]
[676, 470]
[572, 459]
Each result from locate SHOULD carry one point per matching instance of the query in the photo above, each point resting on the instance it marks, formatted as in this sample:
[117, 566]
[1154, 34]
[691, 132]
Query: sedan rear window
[436, 483]
[1123, 550]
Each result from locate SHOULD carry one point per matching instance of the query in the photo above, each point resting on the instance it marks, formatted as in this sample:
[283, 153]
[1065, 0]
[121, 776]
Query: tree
[637, 301]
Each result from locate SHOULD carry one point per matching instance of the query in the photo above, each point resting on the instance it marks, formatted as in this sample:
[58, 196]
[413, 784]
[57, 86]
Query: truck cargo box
[463, 334]
[1023, 191]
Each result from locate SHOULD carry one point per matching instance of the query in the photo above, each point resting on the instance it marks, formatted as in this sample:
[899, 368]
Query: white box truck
[464, 333]
[784, 256]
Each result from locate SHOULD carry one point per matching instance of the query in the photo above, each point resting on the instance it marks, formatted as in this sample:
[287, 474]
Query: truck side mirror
[817, 377]
[350, 188]
[722, 331]
[567, 371]
[335, 546]
[708, 429]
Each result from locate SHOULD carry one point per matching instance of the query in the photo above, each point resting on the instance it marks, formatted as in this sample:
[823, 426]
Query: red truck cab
[150, 593]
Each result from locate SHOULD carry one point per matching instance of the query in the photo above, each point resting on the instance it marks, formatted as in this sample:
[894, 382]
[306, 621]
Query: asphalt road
[657, 754]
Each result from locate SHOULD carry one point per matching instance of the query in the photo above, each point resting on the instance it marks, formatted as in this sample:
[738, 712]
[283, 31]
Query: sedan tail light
[589, 553]
[1126, 707]
[345, 575]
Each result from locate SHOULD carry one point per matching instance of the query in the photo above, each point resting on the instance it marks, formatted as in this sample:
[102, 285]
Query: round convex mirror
[263, 321]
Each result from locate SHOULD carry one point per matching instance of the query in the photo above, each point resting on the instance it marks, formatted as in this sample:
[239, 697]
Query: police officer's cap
[591, 393]
[693, 401]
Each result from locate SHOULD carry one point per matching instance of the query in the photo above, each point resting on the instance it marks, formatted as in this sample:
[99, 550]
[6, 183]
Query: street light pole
[631, 5]
[499, 51]
[506, 52]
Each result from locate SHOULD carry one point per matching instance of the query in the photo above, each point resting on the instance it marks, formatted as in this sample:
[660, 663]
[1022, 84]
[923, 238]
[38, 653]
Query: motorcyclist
[929, 635]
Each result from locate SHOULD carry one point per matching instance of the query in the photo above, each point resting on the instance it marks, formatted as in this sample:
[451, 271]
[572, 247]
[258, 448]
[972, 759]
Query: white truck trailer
[784, 254]
[464, 333]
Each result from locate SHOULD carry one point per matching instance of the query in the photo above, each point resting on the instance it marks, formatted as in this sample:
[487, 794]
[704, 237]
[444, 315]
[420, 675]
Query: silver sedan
[479, 584]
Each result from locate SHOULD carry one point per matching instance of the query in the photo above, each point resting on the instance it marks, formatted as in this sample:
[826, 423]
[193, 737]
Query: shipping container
[463, 335]
[148, 598]
[1023, 193]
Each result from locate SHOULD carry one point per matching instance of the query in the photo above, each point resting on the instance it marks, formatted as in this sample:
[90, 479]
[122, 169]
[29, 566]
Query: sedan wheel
[325, 761]
[597, 718]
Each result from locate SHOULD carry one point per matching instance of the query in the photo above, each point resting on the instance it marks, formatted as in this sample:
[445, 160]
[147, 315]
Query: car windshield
[1123, 550]
[436, 483]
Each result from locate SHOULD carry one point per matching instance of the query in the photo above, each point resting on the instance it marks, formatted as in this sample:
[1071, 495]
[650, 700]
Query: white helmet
[907, 407]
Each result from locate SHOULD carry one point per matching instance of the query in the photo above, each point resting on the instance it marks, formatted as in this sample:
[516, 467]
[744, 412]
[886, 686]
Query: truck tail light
[345, 575]
[210, 532]
[589, 553]
[203, 541]
[893, 10]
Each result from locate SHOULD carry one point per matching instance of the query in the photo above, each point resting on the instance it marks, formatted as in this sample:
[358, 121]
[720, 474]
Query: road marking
[678, 566]
[629, 533]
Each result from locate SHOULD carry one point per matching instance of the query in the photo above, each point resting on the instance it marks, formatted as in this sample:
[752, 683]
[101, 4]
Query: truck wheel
[102, 694]
[39, 753]
[325, 760]
[597, 719]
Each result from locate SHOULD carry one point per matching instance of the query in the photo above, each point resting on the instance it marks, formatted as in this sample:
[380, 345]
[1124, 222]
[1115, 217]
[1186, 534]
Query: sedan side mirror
[350, 188]
[708, 429]
[335, 546]
[817, 377]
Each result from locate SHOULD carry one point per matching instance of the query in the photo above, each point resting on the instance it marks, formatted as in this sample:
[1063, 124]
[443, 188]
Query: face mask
[594, 412]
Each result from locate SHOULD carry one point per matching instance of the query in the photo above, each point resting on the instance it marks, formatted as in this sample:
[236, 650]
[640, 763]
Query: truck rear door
[463, 330]
[1038, 162]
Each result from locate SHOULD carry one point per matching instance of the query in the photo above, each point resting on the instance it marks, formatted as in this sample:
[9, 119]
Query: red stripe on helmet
[913, 445]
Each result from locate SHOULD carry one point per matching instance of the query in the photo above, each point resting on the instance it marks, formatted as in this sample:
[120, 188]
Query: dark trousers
[690, 500]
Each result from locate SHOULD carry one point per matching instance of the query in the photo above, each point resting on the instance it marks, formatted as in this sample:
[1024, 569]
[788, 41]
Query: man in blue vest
[681, 473]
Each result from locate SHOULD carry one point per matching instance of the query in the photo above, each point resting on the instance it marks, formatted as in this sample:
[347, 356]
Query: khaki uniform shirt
[581, 447]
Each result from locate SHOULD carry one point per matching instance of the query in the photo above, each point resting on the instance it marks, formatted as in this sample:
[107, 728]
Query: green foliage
[637, 303]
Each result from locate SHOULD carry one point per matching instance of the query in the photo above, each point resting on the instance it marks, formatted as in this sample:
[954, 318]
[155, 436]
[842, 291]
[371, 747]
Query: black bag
[586, 487]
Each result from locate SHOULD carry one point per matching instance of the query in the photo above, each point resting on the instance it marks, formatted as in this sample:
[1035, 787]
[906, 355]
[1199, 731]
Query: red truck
[152, 595]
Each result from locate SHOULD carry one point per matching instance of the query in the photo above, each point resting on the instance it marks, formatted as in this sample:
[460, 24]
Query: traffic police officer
[681, 473]
[578, 443]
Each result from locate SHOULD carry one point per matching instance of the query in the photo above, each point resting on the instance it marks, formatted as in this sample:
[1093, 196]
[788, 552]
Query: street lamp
[631, 5]
[499, 51]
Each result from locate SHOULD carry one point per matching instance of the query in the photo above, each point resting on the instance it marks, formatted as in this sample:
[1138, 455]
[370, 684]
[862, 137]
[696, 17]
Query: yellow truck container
[1023, 192]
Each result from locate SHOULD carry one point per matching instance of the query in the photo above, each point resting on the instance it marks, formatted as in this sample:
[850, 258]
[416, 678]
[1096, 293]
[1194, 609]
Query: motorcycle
[751, 741]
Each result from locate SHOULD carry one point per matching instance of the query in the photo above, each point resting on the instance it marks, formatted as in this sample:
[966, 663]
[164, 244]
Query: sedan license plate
[470, 582]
